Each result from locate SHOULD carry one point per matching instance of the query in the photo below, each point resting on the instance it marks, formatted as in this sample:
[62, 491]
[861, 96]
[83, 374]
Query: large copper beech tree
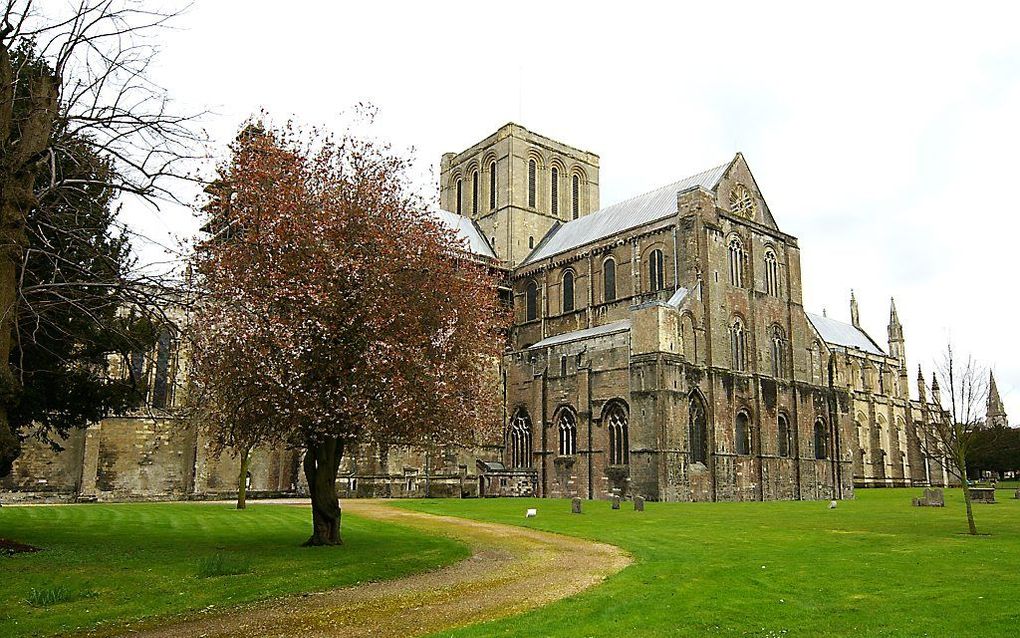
[336, 310]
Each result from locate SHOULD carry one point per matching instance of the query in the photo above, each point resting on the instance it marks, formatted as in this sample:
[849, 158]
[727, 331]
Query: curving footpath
[511, 570]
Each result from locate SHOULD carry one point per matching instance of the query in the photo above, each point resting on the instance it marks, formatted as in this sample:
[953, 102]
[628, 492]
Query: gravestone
[531, 513]
[639, 504]
[982, 494]
[575, 506]
[1016, 495]
[616, 501]
[832, 505]
[933, 497]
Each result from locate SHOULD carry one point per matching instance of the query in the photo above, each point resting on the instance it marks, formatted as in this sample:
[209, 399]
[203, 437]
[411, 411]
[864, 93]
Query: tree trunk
[322, 462]
[242, 479]
[966, 499]
[22, 140]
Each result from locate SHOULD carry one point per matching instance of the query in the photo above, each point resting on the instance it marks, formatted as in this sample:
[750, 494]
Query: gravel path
[511, 570]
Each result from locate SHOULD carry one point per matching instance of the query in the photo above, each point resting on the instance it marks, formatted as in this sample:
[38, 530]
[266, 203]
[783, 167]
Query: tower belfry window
[460, 196]
[532, 182]
[576, 196]
[474, 192]
[554, 191]
[492, 185]
[656, 271]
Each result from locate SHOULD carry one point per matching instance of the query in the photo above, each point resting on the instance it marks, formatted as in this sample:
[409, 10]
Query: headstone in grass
[575, 505]
[933, 497]
[639, 504]
[982, 494]
[616, 501]
[1016, 494]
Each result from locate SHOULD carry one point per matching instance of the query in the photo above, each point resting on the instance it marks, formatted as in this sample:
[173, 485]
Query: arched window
[162, 382]
[742, 433]
[531, 301]
[492, 185]
[609, 280]
[821, 439]
[771, 273]
[778, 352]
[738, 345]
[568, 291]
[656, 271]
[568, 432]
[532, 182]
[785, 440]
[460, 196]
[519, 439]
[575, 201]
[616, 425]
[697, 428]
[881, 379]
[736, 263]
[554, 190]
[531, 241]
[474, 192]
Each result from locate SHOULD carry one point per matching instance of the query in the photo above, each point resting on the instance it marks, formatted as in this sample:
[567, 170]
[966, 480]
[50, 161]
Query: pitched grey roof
[587, 333]
[843, 334]
[622, 216]
[466, 229]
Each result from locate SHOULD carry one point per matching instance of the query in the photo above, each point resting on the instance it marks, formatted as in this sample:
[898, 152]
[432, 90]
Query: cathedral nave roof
[844, 334]
[630, 213]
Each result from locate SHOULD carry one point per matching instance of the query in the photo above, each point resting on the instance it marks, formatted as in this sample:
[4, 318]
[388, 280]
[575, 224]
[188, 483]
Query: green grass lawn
[874, 566]
[110, 564]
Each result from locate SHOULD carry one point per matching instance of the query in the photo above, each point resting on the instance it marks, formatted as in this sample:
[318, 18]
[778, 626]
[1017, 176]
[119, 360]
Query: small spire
[825, 313]
[855, 318]
[995, 411]
[920, 386]
[936, 396]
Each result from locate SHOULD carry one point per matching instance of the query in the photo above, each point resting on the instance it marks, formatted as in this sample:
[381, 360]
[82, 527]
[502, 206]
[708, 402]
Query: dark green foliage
[72, 287]
[995, 450]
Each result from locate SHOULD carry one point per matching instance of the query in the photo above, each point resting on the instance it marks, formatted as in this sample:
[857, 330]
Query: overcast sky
[883, 136]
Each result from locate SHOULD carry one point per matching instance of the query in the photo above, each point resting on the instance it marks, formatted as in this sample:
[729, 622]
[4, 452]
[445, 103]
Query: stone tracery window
[519, 439]
[656, 271]
[742, 201]
[697, 428]
[771, 273]
[616, 426]
[736, 253]
[567, 426]
[778, 352]
[738, 345]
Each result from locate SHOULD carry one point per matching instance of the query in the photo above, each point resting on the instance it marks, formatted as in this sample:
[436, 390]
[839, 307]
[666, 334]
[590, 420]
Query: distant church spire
[855, 317]
[920, 388]
[936, 396]
[995, 413]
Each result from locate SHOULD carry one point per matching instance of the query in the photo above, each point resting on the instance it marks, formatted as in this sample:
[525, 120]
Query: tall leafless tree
[949, 426]
[72, 76]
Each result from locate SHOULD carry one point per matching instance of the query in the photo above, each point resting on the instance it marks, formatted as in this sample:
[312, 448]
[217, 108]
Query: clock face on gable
[742, 201]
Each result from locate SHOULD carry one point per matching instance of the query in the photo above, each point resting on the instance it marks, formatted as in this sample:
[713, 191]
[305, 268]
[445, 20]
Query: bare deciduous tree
[74, 84]
[950, 431]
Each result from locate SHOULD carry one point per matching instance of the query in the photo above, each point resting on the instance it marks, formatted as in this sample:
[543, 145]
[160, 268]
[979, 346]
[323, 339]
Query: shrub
[220, 564]
[56, 593]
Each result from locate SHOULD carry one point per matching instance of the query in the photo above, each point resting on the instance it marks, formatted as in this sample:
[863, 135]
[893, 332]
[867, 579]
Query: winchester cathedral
[660, 347]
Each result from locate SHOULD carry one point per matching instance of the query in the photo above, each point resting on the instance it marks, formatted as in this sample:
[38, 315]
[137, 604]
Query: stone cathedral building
[660, 347]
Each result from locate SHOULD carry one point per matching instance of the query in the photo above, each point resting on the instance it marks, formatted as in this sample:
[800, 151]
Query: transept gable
[737, 192]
